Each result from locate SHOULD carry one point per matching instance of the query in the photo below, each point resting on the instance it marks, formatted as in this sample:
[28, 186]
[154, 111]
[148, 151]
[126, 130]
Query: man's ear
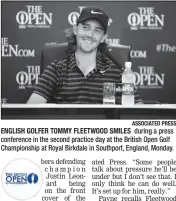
[75, 28]
[104, 38]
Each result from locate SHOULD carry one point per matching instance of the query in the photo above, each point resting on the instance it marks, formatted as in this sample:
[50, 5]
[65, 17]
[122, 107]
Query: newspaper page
[57, 152]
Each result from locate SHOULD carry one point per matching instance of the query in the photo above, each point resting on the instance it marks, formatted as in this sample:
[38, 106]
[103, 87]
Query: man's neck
[86, 61]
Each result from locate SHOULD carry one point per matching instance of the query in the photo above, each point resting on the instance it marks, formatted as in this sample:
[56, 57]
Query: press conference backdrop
[147, 27]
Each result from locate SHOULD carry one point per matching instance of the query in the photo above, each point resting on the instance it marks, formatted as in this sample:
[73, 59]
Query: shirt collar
[104, 63]
[72, 60]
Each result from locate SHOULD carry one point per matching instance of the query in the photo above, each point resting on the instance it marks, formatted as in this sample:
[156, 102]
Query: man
[79, 77]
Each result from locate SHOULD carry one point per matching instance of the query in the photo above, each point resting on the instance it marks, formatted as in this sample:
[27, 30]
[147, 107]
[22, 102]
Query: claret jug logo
[73, 16]
[28, 79]
[146, 19]
[8, 50]
[34, 17]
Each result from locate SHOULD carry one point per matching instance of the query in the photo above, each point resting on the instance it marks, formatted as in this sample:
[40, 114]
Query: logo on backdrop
[146, 19]
[113, 41]
[28, 79]
[8, 50]
[148, 78]
[34, 17]
[165, 48]
[22, 179]
[138, 54]
[73, 16]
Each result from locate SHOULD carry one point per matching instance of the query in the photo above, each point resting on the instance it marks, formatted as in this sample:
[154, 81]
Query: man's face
[89, 34]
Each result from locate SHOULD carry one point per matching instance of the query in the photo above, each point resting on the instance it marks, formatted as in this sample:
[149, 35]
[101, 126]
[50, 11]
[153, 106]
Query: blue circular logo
[32, 178]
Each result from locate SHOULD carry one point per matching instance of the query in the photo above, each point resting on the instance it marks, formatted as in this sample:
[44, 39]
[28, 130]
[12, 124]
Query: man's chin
[86, 50]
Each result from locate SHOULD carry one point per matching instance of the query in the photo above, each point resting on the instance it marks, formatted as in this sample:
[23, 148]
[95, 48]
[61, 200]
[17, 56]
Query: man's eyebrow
[84, 23]
[97, 27]
[101, 28]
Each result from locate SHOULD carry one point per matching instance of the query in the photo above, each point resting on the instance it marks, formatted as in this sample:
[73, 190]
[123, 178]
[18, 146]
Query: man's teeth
[88, 41]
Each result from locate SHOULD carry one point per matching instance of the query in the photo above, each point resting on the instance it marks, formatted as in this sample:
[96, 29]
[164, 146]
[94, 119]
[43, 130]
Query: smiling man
[78, 78]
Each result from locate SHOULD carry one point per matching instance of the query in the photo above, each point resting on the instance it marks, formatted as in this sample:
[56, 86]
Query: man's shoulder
[62, 62]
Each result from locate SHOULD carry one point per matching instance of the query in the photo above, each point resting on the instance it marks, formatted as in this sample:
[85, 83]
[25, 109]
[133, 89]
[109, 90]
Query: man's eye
[98, 31]
[85, 27]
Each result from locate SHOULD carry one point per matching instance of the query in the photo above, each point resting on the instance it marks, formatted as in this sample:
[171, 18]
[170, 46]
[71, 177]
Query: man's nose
[90, 33]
